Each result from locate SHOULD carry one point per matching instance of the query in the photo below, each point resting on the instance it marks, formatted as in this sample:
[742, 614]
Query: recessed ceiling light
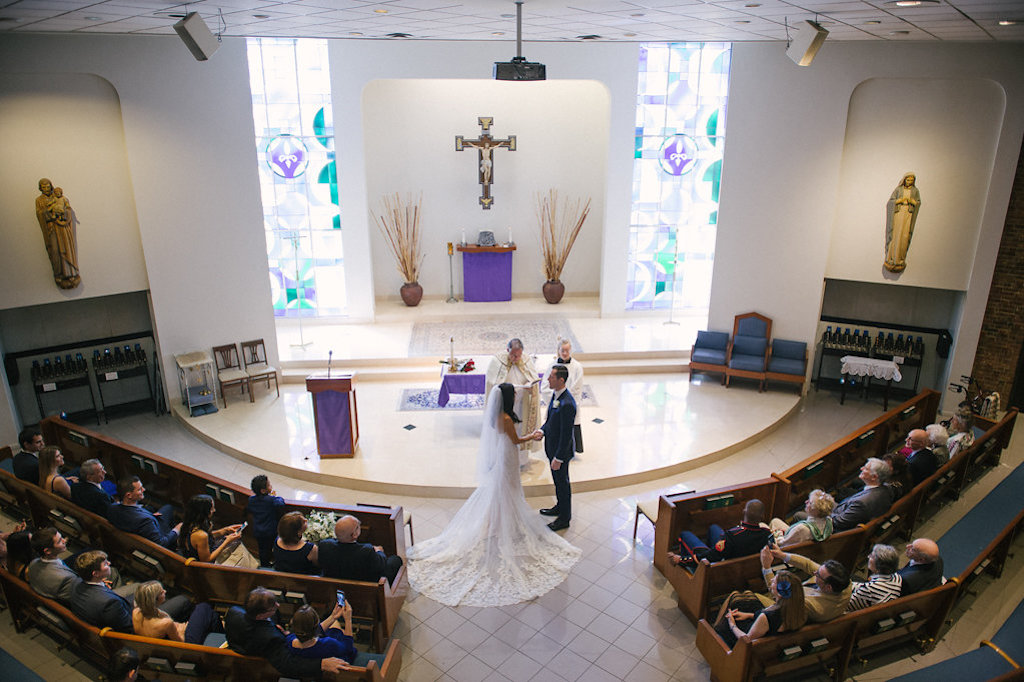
[629, 35]
[176, 16]
[94, 19]
[1008, 22]
[742, 21]
[588, 37]
[354, 33]
[6, 20]
[872, 22]
[912, 3]
[637, 14]
[899, 33]
[381, 11]
[399, 35]
[261, 16]
[497, 33]
[507, 16]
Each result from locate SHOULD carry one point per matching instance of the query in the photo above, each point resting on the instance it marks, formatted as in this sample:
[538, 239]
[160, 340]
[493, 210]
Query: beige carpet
[489, 337]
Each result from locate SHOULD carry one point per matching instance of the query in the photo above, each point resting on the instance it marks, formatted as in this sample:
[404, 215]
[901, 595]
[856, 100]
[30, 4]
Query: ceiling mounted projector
[519, 69]
[810, 36]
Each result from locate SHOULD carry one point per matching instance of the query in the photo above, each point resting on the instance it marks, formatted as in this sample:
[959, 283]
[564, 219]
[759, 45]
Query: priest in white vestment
[516, 368]
[574, 384]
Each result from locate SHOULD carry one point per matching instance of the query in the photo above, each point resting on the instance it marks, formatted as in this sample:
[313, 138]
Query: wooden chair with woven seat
[254, 361]
[229, 371]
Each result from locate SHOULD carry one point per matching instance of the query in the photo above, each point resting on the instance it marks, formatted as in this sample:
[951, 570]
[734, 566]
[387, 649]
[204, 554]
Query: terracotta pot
[553, 290]
[412, 292]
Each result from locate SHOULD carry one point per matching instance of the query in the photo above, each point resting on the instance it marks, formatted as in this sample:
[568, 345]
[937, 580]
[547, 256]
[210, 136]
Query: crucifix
[485, 146]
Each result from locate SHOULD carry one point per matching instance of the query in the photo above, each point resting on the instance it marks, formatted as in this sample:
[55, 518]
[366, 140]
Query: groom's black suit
[558, 444]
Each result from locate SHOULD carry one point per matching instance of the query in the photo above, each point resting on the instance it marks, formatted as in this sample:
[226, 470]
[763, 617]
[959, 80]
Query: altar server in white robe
[574, 384]
[518, 369]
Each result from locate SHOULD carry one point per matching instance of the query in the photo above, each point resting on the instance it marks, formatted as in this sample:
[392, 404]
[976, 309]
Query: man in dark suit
[925, 568]
[348, 559]
[742, 540]
[26, 462]
[871, 502]
[92, 600]
[557, 433]
[88, 492]
[252, 632]
[51, 577]
[130, 516]
[921, 462]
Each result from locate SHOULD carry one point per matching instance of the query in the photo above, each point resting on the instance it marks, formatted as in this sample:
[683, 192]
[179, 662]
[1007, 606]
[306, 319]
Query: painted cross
[485, 146]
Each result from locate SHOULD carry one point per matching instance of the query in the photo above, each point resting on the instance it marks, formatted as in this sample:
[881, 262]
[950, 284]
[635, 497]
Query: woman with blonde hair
[817, 526]
[787, 614]
[51, 459]
[149, 620]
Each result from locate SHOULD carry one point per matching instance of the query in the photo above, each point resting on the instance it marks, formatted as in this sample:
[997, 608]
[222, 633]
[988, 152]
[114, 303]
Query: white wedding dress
[496, 550]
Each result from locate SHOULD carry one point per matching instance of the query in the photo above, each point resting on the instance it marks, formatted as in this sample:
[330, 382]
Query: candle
[509, 235]
[463, 237]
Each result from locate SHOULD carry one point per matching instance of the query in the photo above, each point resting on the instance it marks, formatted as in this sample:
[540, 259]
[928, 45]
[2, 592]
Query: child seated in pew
[266, 508]
[149, 620]
[311, 638]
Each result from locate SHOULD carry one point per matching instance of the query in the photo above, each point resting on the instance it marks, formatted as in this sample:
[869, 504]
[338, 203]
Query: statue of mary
[900, 216]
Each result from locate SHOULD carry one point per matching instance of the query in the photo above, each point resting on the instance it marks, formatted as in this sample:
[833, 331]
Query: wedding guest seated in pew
[312, 639]
[292, 552]
[124, 665]
[826, 592]
[199, 540]
[817, 526]
[26, 462]
[924, 571]
[742, 540]
[961, 433]
[266, 508]
[870, 502]
[253, 632]
[149, 620]
[19, 552]
[130, 516]
[899, 483]
[743, 615]
[51, 459]
[348, 559]
[921, 462]
[51, 577]
[4, 536]
[938, 440]
[884, 583]
[88, 492]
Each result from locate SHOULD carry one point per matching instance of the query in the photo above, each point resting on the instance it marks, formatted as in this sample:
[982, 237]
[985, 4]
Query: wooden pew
[168, 481]
[175, 660]
[377, 603]
[917, 618]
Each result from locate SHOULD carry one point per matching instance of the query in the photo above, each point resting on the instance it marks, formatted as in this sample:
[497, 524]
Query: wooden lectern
[335, 415]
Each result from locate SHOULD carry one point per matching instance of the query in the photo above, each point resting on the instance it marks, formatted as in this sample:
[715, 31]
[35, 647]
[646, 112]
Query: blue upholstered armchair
[748, 352]
[708, 353]
[787, 362]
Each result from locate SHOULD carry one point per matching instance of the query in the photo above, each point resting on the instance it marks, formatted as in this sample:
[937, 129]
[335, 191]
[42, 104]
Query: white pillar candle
[510, 235]
[463, 237]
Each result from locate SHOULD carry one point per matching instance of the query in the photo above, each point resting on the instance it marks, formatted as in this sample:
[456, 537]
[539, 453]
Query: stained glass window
[291, 107]
[681, 103]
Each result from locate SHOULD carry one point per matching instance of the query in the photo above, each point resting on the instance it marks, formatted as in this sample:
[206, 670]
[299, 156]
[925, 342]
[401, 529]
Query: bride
[496, 550]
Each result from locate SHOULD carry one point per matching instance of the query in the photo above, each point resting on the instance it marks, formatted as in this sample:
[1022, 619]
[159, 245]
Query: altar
[486, 272]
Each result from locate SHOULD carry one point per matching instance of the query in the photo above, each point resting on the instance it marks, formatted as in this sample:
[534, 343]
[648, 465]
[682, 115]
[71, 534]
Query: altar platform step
[422, 369]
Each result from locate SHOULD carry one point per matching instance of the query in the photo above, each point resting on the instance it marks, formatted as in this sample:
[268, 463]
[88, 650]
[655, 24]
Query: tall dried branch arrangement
[560, 223]
[399, 223]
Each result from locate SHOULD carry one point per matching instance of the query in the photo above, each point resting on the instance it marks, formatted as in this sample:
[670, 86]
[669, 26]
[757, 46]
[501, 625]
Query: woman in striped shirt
[883, 585]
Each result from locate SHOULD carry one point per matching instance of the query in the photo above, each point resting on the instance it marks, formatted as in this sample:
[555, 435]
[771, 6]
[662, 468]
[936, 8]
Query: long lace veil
[489, 461]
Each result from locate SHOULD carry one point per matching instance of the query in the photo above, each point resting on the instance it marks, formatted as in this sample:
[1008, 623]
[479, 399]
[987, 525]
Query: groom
[557, 434]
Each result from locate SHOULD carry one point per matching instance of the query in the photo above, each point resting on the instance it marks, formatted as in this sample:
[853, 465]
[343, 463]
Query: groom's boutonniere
[554, 404]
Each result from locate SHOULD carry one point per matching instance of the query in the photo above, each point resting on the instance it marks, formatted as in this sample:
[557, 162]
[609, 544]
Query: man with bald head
[921, 462]
[348, 559]
[925, 568]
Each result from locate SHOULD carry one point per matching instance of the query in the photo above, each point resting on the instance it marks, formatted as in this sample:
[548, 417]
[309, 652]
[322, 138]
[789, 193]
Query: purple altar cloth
[333, 428]
[460, 382]
[487, 276]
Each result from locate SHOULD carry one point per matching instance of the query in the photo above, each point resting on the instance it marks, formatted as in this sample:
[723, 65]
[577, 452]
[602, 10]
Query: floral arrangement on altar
[459, 365]
[320, 526]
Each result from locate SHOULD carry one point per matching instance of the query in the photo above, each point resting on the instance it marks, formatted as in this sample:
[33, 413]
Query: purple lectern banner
[487, 276]
[333, 429]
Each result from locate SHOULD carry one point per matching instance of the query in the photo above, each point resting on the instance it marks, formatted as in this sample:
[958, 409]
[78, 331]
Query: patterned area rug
[418, 399]
[489, 336]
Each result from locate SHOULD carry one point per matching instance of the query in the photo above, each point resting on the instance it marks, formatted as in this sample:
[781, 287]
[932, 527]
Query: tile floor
[615, 617]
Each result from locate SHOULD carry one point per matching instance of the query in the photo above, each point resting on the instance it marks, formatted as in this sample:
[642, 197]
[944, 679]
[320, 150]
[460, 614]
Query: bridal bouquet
[320, 526]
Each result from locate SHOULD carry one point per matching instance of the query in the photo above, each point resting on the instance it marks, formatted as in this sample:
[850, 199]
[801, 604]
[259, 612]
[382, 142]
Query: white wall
[66, 127]
[189, 138]
[780, 180]
[944, 130]
[356, 63]
[410, 128]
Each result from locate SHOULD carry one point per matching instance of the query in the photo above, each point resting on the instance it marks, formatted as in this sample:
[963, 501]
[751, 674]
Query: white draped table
[872, 368]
